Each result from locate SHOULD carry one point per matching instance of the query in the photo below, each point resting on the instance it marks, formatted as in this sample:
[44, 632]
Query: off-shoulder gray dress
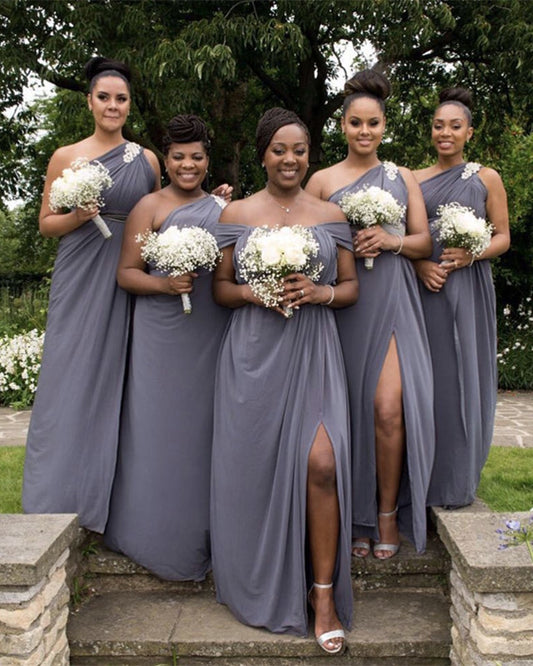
[159, 512]
[73, 435]
[461, 325]
[388, 305]
[277, 380]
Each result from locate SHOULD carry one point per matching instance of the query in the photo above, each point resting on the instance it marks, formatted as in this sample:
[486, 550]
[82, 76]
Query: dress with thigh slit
[388, 305]
[277, 380]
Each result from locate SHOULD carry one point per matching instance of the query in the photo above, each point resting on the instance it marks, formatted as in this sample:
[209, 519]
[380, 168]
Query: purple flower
[513, 525]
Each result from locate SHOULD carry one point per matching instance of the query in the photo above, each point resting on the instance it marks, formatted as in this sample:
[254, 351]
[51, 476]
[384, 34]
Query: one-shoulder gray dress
[73, 435]
[159, 512]
[461, 325]
[277, 380]
[388, 305]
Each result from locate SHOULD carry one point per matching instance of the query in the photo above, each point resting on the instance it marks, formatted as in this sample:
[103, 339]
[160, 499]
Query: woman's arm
[131, 272]
[226, 291]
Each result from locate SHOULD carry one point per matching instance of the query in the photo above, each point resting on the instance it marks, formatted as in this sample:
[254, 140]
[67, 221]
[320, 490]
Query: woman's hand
[182, 284]
[455, 257]
[372, 241]
[298, 289]
[432, 274]
[224, 191]
[85, 214]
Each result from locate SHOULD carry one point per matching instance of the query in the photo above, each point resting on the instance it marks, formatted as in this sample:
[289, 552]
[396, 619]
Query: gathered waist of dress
[114, 217]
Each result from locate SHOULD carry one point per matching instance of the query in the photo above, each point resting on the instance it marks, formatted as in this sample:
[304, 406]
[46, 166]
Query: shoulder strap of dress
[470, 169]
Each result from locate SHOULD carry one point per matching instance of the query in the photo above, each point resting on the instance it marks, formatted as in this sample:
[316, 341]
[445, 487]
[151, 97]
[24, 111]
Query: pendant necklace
[284, 208]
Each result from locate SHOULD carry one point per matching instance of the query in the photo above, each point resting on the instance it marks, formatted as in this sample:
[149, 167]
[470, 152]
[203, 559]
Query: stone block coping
[472, 541]
[30, 544]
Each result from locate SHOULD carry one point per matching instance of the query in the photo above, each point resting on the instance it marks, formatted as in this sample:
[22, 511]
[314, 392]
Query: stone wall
[34, 595]
[491, 591]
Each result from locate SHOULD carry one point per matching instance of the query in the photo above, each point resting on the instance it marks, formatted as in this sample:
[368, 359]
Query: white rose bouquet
[81, 186]
[371, 206]
[178, 251]
[271, 253]
[458, 226]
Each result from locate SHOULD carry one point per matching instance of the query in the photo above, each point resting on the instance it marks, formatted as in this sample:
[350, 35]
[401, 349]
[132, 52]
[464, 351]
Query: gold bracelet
[331, 297]
[400, 247]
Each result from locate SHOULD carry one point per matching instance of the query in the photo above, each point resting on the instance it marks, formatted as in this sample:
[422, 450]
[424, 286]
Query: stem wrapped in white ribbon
[104, 229]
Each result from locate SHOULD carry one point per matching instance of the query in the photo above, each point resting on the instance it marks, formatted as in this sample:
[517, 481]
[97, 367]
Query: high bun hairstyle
[368, 83]
[186, 128]
[461, 97]
[98, 67]
[269, 124]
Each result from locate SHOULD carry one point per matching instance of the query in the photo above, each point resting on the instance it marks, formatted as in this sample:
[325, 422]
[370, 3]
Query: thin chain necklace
[284, 208]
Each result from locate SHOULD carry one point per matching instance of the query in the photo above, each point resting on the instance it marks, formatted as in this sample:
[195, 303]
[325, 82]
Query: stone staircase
[124, 616]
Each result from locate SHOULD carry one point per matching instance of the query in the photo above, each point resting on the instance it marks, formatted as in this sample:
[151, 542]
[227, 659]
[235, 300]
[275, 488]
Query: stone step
[105, 571]
[132, 628]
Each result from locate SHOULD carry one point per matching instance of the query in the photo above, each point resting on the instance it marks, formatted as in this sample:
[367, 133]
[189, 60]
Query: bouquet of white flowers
[81, 186]
[458, 226]
[271, 253]
[371, 206]
[178, 251]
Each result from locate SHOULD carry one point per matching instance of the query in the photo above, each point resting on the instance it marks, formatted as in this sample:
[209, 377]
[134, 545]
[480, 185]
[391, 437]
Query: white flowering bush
[271, 253]
[458, 226]
[180, 250]
[20, 362]
[370, 206]
[515, 347]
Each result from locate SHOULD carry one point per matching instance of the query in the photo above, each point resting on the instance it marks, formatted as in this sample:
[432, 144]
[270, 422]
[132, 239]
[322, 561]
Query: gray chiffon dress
[461, 325]
[277, 380]
[159, 512]
[73, 434]
[388, 305]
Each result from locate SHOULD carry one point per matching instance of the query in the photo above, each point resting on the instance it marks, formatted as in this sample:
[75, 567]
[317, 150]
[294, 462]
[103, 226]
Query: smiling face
[286, 158]
[109, 102]
[363, 125]
[186, 165]
[450, 130]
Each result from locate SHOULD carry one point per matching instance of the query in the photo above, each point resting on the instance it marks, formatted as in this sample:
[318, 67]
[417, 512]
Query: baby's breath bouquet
[177, 251]
[271, 253]
[370, 206]
[458, 226]
[81, 186]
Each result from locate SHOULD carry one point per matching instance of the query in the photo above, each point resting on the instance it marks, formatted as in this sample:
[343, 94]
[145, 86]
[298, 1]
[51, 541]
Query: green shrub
[515, 347]
[20, 362]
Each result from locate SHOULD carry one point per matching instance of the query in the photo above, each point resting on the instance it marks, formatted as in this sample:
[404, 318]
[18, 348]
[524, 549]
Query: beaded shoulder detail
[470, 169]
[131, 151]
[391, 170]
[220, 201]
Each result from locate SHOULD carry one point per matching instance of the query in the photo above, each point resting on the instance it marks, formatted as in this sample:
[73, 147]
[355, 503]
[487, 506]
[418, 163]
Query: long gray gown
[277, 380]
[159, 512]
[388, 305]
[461, 325]
[73, 435]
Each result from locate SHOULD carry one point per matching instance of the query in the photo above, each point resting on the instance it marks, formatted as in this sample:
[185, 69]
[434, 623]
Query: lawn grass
[11, 465]
[507, 479]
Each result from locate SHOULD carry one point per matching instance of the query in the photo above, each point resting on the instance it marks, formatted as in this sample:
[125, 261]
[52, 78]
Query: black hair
[186, 128]
[269, 124]
[461, 97]
[368, 83]
[99, 67]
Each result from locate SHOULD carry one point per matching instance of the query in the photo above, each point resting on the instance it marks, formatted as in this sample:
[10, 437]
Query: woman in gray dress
[459, 305]
[159, 513]
[280, 504]
[383, 337]
[72, 441]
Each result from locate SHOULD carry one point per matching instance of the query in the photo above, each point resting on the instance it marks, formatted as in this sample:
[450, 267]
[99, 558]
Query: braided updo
[269, 124]
[186, 128]
[461, 97]
[99, 67]
[368, 83]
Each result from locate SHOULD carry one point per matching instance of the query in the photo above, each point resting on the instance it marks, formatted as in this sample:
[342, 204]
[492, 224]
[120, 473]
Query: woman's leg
[390, 446]
[323, 524]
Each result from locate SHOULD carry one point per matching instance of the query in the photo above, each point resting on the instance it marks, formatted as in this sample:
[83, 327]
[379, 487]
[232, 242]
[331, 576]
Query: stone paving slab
[513, 425]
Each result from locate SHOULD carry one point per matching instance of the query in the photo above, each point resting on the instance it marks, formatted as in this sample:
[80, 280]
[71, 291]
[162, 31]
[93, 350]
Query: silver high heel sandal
[392, 547]
[328, 635]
